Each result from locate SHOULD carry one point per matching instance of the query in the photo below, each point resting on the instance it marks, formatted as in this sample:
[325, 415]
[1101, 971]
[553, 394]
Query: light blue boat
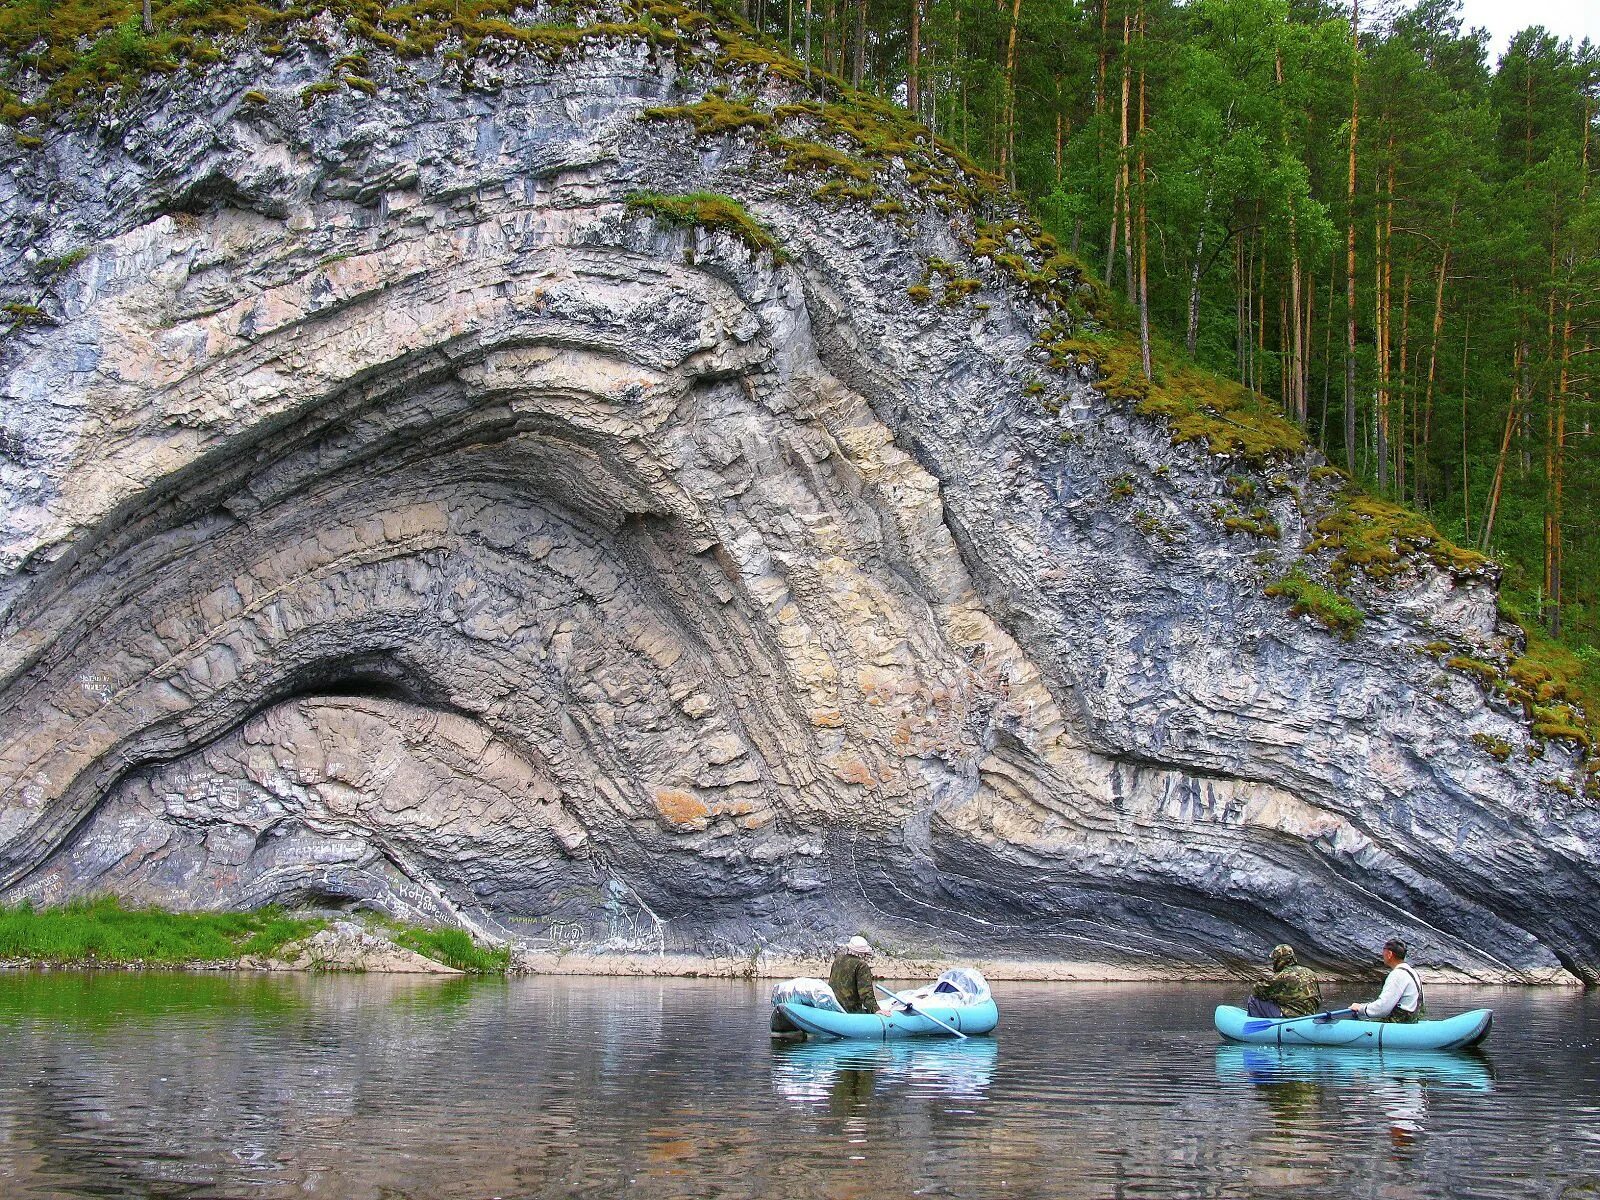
[1452, 1033]
[878, 1027]
[959, 1002]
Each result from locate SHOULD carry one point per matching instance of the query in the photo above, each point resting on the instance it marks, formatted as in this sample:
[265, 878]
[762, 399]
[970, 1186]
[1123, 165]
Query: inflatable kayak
[882, 1027]
[959, 1000]
[1452, 1033]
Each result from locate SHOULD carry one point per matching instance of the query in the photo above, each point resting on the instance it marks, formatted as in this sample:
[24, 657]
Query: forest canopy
[1353, 212]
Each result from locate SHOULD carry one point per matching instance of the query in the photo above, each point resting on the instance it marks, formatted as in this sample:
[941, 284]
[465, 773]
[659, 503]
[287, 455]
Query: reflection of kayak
[805, 1071]
[878, 1027]
[1301, 1064]
[1452, 1033]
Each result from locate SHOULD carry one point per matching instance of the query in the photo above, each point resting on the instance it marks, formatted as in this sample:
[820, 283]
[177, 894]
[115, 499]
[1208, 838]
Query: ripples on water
[223, 1086]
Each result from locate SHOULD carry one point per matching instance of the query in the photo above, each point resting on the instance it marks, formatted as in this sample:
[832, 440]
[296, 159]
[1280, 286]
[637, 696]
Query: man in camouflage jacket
[1292, 989]
[851, 977]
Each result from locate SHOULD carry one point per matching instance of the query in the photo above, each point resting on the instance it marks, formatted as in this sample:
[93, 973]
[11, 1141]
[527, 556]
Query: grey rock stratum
[394, 518]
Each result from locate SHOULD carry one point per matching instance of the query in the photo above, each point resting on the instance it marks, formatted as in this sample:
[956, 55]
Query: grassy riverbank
[102, 932]
[455, 948]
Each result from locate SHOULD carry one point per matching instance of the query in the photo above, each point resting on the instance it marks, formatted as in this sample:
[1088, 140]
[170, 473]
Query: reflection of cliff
[390, 514]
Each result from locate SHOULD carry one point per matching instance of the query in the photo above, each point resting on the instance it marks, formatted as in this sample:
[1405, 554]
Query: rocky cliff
[602, 488]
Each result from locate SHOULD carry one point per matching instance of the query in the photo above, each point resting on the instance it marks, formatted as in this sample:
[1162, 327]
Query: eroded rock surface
[391, 517]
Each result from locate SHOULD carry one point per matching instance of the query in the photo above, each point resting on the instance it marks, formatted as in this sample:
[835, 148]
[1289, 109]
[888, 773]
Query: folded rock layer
[394, 517]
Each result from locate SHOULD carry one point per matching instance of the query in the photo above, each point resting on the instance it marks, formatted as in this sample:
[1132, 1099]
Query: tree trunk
[148, 24]
[807, 40]
[1327, 350]
[1144, 227]
[1060, 132]
[1116, 216]
[1240, 283]
[1100, 64]
[958, 63]
[827, 34]
[1380, 302]
[914, 61]
[858, 64]
[1191, 335]
[1008, 134]
[1505, 447]
[1303, 337]
[1261, 313]
[1421, 487]
[1400, 389]
[1126, 166]
[1350, 247]
[1466, 478]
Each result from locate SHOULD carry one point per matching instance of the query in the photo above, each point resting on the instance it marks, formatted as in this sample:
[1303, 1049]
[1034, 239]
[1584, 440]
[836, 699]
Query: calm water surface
[221, 1086]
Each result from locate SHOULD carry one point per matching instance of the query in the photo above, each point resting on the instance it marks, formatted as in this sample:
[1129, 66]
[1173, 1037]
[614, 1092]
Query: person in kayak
[851, 979]
[1400, 1001]
[1291, 991]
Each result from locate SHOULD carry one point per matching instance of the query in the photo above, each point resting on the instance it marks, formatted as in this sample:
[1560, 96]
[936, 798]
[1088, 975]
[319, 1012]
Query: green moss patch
[1383, 541]
[714, 116]
[708, 210]
[1258, 522]
[1196, 406]
[1557, 691]
[1308, 598]
[1496, 748]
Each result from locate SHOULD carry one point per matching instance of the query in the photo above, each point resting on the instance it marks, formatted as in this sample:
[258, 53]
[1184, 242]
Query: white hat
[858, 945]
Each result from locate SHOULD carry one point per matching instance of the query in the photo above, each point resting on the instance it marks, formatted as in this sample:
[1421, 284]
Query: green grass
[103, 931]
[455, 948]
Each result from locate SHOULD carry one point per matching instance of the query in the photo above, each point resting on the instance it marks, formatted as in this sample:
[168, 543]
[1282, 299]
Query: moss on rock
[1384, 541]
[708, 210]
[1308, 598]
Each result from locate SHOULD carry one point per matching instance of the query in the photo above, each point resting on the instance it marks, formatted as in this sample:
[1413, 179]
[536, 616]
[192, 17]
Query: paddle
[910, 1007]
[1321, 1018]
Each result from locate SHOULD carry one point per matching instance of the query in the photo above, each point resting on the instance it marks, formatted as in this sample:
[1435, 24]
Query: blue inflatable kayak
[1452, 1033]
[878, 1027]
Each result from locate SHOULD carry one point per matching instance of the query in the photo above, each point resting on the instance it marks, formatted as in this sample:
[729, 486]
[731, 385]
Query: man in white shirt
[1400, 1001]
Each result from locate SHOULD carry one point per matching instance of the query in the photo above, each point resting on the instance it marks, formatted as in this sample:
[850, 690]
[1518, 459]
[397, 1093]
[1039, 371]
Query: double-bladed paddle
[1321, 1018]
[910, 1007]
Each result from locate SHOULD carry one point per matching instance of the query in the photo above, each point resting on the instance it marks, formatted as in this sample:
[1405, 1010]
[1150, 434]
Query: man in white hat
[850, 977]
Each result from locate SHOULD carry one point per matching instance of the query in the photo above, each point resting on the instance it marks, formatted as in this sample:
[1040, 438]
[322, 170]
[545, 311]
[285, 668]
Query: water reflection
[1299, 1086]
[104, 1000]
[367, 1088]
[1270, 1065]
[839, 1074]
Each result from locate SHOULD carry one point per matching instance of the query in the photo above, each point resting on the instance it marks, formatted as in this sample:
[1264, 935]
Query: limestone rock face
[393, 518]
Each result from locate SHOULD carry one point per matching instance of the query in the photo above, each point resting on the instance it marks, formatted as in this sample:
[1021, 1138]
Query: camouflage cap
[1282, 956]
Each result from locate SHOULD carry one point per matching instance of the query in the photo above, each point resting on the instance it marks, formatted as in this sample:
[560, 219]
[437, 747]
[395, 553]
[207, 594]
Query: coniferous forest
[1352, 211]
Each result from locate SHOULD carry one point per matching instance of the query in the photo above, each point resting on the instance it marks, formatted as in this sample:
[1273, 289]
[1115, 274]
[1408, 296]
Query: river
[357, 1087]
